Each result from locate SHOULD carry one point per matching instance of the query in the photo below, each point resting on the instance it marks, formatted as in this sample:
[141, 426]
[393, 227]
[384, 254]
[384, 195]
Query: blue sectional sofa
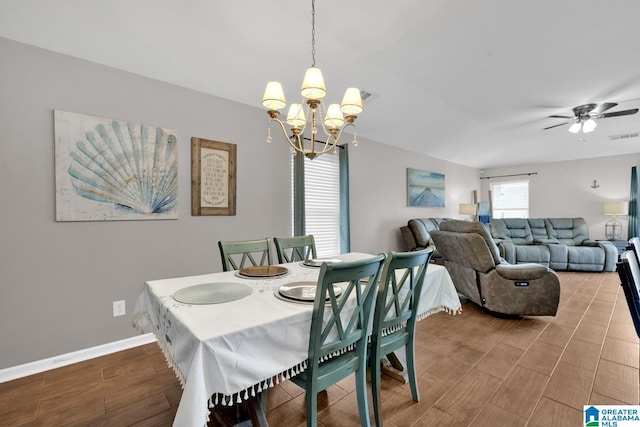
[558, 243]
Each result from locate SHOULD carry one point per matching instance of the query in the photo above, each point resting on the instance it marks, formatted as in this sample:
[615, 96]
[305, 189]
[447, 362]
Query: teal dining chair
[236, 254]
[292, 249]
[339, 332]
[394, 318]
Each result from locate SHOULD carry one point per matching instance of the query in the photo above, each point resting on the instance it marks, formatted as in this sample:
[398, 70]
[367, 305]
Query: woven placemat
[212, 293]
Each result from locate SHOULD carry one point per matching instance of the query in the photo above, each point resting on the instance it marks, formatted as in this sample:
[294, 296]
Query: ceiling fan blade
[555, 126]
[601, 108]
[555, 116]
[618, 113]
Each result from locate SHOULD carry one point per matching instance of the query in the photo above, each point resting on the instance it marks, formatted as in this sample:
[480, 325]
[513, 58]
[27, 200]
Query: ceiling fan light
[575, 128]
[589, 126]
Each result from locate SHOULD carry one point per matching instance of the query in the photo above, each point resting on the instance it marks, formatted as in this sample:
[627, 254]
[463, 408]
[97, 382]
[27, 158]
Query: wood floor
[474, 369]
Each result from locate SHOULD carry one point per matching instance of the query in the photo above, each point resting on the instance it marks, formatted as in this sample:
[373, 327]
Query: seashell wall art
[114, 170]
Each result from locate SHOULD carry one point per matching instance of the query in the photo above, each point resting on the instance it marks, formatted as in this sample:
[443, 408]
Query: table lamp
[613, 227]
[467, 209]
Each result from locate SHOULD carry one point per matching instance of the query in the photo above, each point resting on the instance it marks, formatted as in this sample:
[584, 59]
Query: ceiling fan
[584, 117]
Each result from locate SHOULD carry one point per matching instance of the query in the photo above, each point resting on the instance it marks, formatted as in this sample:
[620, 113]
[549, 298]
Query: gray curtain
[633, 230]
[345, 233]
[299, 228]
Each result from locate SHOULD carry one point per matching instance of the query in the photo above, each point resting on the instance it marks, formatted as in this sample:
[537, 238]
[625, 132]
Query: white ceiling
[468, 81]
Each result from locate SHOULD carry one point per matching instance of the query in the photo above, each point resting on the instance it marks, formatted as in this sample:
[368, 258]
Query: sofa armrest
[408, 238]
[610, 253]
[521, 271]
[507, 251]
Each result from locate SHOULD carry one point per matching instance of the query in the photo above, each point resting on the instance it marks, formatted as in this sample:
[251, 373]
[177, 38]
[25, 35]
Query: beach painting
[108, 169]
[425, 189]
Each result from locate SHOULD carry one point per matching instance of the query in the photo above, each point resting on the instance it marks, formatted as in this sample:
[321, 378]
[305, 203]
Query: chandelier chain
[313, 32]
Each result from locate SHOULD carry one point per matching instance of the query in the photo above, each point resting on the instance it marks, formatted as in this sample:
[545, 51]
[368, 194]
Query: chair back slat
[332, 327]
[239, 254]
[292, 249]
[399, 306]
[400, 289]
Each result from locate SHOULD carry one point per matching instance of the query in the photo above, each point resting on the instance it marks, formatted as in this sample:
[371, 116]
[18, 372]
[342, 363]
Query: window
[320, 201]
[510, 199]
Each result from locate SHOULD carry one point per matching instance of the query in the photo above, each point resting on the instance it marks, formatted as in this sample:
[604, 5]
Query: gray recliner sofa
[478, 272]
[558, 243]
[417, 235]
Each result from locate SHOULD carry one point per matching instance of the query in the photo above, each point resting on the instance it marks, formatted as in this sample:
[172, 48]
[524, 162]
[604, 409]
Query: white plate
[302, 291]
[318, 261]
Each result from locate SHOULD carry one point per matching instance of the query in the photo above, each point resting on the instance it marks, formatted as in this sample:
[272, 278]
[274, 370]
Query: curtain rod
[504, 176]
[306, 138]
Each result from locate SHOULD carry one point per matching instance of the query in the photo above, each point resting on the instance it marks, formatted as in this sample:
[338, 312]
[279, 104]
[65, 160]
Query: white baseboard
[38, 366]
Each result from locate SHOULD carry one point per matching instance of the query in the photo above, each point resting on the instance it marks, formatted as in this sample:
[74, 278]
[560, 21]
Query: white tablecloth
[225, 353]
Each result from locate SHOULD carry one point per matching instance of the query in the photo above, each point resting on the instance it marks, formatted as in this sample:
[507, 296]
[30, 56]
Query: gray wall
[563, 189]
[379, 196]
[58, 279]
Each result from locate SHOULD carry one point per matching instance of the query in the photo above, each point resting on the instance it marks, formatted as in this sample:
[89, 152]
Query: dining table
[229, 346]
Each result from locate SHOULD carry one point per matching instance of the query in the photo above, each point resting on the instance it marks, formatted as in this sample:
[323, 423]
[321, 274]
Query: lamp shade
[616, 208]
[334, 118]
[313, 84]
[467, 209]
[296, 117]
[351, 102]
[273, 98]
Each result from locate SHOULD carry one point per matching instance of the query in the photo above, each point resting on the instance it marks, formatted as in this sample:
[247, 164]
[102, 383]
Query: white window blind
[322, 203]
[510, 199]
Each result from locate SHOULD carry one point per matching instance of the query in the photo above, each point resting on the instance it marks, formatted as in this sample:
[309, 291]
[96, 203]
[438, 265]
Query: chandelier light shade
[313, 84]
[334, 118]
[352, 102]
[273, 98]
[296, 117]
[311, 112]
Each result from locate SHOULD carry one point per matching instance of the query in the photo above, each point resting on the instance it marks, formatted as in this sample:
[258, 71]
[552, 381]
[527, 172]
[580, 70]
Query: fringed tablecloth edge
[434, 310]
[238, 397]
[228, 400]
[138, 324]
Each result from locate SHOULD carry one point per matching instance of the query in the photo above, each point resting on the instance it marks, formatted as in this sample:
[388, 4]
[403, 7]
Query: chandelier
[332, 120]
